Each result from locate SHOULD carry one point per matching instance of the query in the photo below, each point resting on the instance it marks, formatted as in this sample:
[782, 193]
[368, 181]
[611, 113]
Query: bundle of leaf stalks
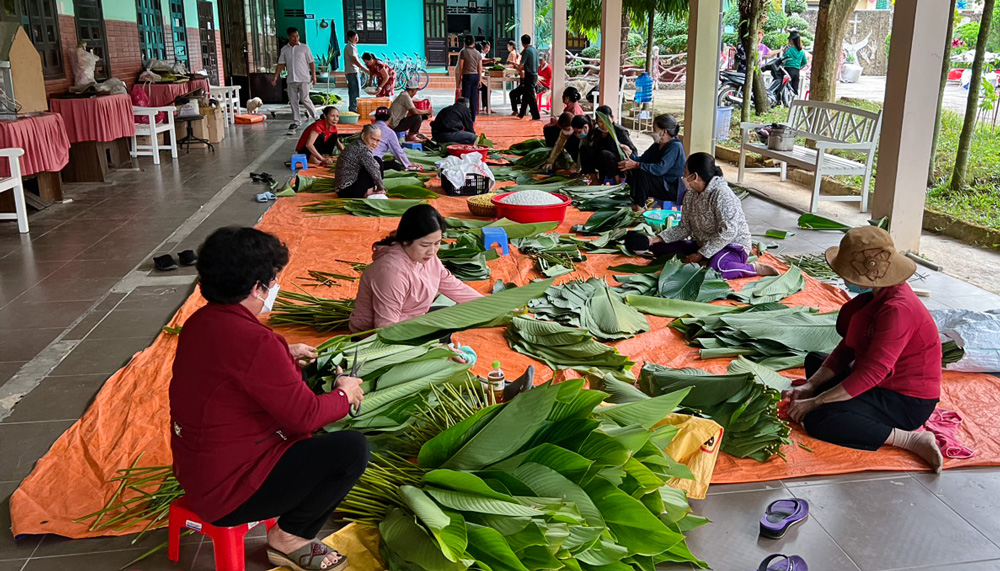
[325, 279]
[361, 207]
[773, 335]
[675, 280]
[952, 353]
[547, 481]
[813, 264]
[554, 255]
[562, 347]
[593, 306]
[300, 309]
[356, 266]
[609, 219]
[772, 288]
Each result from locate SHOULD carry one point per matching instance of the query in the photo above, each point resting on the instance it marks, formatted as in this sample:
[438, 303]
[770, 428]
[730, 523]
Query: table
[99, 129]
[46, 151]
[493, 83]
[161, 94]
[229, 96]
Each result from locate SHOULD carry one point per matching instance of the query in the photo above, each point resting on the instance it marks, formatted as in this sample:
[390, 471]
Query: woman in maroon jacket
[884, 379]
[242, 420]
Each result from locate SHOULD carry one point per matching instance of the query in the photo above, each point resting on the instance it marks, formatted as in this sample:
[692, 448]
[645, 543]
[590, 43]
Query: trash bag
[84, 64]
[977, 332]
[114, 86]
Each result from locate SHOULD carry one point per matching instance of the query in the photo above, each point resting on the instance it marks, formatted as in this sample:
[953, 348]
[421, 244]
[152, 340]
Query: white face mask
[272, 295]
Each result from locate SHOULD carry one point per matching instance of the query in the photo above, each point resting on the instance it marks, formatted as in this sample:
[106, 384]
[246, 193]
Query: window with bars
[90, 29]
[41, 20]
[179, 31]
[367, 18]
[150, 21]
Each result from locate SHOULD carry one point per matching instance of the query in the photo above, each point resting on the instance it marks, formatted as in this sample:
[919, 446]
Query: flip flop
[779, 562]
[164, 263]
[523, 383]
[187, 258]
[309, 557]
[265, 197]
[781, 515]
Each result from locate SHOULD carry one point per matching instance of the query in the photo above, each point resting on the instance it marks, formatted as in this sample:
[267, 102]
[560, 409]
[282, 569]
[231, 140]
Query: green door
[178, 30]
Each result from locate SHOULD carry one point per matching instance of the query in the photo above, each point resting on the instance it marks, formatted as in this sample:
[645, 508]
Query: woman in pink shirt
[883, 380]
[406, 273]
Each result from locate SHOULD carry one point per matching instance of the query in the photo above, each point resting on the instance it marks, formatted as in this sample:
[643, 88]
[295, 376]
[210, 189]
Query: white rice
[531, 198]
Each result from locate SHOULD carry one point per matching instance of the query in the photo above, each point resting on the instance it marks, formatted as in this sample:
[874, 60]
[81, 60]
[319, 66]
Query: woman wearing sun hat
[884, 379]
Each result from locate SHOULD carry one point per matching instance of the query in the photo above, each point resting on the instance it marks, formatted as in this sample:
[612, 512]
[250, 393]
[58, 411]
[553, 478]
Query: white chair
[595, 96]
[152, 129]
[229, 99]
[13, 183]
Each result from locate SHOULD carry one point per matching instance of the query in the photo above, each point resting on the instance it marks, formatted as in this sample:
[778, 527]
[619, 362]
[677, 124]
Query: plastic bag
[113, 86]
[149, 77]
[978, 332]
[84, 64]
[696, 445]
[159, 65]
[455, 168]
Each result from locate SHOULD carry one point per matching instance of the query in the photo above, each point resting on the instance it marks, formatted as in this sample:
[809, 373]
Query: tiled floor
[78, 298]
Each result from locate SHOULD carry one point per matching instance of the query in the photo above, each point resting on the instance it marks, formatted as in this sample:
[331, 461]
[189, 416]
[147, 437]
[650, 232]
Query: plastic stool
[227, 541]
[414, 146]
[544, 101]
[495, 235]
[299, 162]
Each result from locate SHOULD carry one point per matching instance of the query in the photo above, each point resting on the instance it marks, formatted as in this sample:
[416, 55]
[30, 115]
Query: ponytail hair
[417, 222]
[666, 122]
[703, 165]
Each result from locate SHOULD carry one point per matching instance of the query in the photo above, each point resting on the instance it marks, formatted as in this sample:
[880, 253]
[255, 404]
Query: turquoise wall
[65, 7]
[119, 10]
[404, 27]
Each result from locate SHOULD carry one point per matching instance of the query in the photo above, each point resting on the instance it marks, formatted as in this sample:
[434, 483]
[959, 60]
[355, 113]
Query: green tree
[960, 174]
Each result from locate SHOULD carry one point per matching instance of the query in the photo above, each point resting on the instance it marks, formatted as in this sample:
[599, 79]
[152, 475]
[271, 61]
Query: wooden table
[497, 83]
[46, 152]
[99, 129]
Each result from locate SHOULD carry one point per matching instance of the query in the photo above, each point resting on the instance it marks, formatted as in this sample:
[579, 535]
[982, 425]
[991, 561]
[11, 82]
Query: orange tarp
[130, 414]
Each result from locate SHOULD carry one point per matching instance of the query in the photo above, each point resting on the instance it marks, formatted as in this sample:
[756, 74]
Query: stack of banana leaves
[361, 207]
[593, 306]
[675, 280]
[547, 481]
[524, 147]
[554, 254]
[609, 219]
[562, 347]
[772, 288]
[597, 197]
[535, 159]
[466, 258]
[514, 230]
[772, 335]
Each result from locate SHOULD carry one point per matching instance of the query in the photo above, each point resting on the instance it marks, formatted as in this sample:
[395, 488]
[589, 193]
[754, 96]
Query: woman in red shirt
[242, 420]
[380, 75]
[884, 379]
[321, 138]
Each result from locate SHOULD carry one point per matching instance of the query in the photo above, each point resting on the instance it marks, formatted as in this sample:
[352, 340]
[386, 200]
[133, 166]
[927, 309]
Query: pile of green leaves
[300, 309]
[591, 198]
[593, 306]
[664, 307]
[773, 335]
[609, 219]
[677, 280]
[361, 207]
[772, 288]
[951, 353]
[466, 258]
[547, 481]
[426, 159]
[744, 401]
[554, 254]
[562, 347]
[459, 226]
[524, 147]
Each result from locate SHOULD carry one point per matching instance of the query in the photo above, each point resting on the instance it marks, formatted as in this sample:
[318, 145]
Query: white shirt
[297, 59]
[350, 54]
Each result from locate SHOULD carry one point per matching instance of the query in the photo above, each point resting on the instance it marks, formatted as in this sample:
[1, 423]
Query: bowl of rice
[532, 206]
[349, 118]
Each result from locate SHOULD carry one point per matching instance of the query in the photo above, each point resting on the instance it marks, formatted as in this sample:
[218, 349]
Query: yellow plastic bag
[359, 543]
[696, 445]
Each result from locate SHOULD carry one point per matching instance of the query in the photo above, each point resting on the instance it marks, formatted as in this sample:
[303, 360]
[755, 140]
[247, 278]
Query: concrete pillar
[704, 29]
[558, 54]
[526, 22]
[918, 35]
[611, 53]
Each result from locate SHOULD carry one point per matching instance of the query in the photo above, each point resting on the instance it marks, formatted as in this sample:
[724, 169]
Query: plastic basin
[346, 119]
[525, 214]
[459, 150]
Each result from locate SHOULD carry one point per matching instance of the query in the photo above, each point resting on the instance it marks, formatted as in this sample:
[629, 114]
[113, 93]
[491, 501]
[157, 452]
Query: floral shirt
[356, 156]
[713, 218]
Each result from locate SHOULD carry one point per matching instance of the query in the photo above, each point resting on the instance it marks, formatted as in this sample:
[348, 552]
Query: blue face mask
[855, 288]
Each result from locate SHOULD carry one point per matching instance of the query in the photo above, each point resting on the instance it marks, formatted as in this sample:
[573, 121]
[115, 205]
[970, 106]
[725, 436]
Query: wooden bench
[831, 127]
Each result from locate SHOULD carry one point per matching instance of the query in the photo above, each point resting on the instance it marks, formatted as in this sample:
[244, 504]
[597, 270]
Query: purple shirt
[390, 142]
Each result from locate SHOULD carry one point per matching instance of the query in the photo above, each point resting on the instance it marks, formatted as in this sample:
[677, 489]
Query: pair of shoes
[166, 262]
[265, 197]
[779, 516]
[262, 177]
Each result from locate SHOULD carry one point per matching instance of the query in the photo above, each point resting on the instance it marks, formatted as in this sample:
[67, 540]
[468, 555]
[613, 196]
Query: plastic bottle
[496, 380]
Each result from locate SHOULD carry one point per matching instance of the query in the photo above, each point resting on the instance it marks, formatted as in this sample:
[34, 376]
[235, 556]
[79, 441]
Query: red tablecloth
[43, 138]
[161, 94]
[103, 118]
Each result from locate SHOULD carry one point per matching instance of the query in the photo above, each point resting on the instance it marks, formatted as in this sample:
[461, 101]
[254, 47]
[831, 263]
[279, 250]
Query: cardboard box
[212, 127]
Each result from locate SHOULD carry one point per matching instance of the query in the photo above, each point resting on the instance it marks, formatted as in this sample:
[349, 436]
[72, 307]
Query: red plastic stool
[227, 541]
[544, 101]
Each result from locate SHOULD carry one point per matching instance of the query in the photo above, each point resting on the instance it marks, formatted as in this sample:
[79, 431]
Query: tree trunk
[831, 23]
[626, 27]
[945, 68]
[960, 174]
[649, 43]
[753, 82]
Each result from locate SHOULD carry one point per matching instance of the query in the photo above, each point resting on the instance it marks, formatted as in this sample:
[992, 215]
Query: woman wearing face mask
[599, 152]
[358, 172]
[883, 380]
[573, 129]
[243, 422]
[571, 106]
[657, 173]
[406, 274]
[713, 229]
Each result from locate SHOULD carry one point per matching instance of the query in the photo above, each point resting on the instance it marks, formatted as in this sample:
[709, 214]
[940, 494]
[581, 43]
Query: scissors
[355, 410]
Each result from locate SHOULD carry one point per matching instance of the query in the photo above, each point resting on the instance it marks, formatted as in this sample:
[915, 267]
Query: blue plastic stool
[414, 146]
[299, 162]
[495, 235]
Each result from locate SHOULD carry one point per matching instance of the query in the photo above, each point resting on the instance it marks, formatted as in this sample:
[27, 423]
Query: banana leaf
[412, 191]
[524, 147]
[675, 307]
[394, 181]
[609, 219]
[690, 282]
[468, 315]
[815, 222]
[361, 207]
[610, 126]
[772, 288]
[514, 230]
[562, 347]
[592, 306]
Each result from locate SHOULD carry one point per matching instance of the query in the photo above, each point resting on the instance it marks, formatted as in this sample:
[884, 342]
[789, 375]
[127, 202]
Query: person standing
[524, 94]
[380, 75]
[298, 59]
[794, 59]
[469, 73]
[352, 65]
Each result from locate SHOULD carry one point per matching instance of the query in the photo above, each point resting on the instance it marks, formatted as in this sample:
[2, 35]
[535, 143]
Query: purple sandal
[779, 562]
[781, 515]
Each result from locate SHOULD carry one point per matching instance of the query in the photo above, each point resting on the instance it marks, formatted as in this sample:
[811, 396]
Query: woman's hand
[801, 392]
[326, 160]
[627, 149]
[352, 388]
[303, 354]
[628, 164]
[694, 258]
[798, 409]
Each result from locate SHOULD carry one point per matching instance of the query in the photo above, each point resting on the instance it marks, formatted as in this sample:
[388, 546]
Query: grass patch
[979, 205]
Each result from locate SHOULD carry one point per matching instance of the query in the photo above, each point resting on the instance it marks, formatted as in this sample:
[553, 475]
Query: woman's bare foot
[765, 270]
[286, 543]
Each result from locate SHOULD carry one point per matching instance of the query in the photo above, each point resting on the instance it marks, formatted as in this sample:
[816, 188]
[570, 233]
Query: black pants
[793, 76]
[603, 162]
[470, 91]
[484, 94]
[865, 421]
[359, 188]
[410, 125]
[550, 133]
[461, 137]
[524, 96]
[643, 186]
[306, 484]
[325, 145]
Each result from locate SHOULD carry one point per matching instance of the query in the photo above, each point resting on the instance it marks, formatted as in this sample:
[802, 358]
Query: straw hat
[867, 257]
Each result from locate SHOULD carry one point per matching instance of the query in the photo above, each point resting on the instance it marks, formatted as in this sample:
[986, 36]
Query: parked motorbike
[779, 87]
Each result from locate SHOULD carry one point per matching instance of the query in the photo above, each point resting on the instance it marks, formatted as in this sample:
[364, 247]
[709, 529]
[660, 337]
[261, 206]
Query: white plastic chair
[13, 183]
[152, 129]
[229, 99]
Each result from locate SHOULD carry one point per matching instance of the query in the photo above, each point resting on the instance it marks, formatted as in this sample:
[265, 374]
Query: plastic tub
[459, 150]
[348, 118]
[659, 219]
[525, 214]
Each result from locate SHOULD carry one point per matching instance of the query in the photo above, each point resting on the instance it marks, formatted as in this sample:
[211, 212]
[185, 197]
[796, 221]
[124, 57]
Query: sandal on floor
[309, 557]
[187, 258]
[779, 562]
[781, 515]
[164, 263]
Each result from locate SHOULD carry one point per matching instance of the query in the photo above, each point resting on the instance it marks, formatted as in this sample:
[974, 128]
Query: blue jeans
[353, 91]
[470, 91]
